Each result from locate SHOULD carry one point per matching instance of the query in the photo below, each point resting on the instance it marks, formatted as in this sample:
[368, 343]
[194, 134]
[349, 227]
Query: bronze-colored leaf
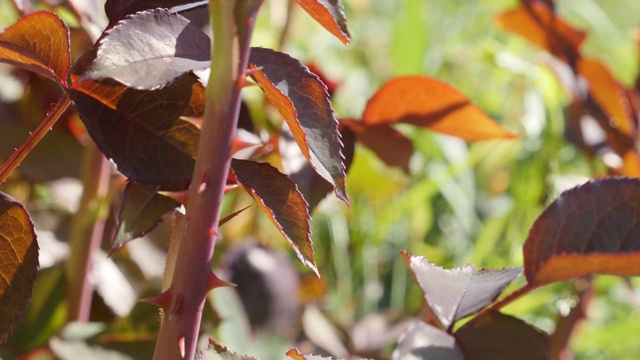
[495, 336]
[38, 42]
[18, 263]
[330, 15]
[280, 199]
[141, 131]
[303, 101]
[430, 103]
[593, 228]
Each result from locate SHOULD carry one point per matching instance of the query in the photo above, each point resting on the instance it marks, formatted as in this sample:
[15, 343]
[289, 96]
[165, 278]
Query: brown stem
[287, 24]
[232, 22]
[33, 139]
[566, 326]
[87, 228]
[509, 299]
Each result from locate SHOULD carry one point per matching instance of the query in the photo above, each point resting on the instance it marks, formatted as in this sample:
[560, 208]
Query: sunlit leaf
[217, 351]
[495, 336]
[141, 131]
[160, 46]
[281, 201]
[312, 186]
[424, 341]
[540, 25]
[296, 355]
[390, 145]
[38, 42]
[330, 15]
[608, 93]
[117, 9]
[18, 263]
[430, 103]
[142, 209]
[303, 101]
[593, 228]
[456, 293]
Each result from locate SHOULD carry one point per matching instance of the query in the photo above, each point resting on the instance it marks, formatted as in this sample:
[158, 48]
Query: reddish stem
[509, 298]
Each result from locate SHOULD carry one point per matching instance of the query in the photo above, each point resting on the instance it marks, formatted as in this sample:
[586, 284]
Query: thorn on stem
[181, 346]
[213, 233]
[163, 301]
[215, 282]
[177, 307]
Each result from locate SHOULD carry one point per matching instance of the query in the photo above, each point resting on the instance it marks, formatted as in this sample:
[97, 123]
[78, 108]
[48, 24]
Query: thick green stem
[232, 22]
[87, 228]
[33, 139]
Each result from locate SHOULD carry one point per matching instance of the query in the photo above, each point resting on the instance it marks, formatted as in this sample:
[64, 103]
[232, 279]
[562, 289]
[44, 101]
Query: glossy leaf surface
[456, 293]
[432, 104]
[495, 336]
[142, 209]
[38, 42]
[425, 341]
[330, 15]
[18, 263]
[540, 25]
[117, 9]
[280, 199]
[159, 45]
[593, 228]
[141, 131]
[303, 101]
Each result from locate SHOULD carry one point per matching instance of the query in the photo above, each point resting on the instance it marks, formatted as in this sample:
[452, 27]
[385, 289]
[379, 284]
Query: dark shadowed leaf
[160, 46]
[280, 199]
[608, 93]
[142, 209]
[459, 292]
[303, 101]
[330, 15]
[141, 131]
[593, 228]
[217, 351]
[430, 103]
[540, 25]
[424, 341]
[38, 43]
[390, 145]
[18, 263]
[117, 9]
[312, 186]
[495, 336]
[296, 355]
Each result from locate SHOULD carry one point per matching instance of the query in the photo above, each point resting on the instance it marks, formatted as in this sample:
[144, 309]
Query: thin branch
[16, 158]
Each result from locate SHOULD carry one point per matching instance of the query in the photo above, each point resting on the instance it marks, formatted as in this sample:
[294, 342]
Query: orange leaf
[18, 263]
[330, 15]
[540, 25]
[280, 199]
[430, 103]
[593, 228]
[608, 93]
[38, 43]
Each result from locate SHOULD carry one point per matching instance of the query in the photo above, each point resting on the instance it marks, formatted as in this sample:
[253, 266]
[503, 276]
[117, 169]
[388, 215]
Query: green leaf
[280, 199]
[18, 263]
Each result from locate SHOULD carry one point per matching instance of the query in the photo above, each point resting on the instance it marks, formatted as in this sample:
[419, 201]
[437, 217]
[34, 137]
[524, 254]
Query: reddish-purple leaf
[18, 263]
[142, 209]
[425, 341]
[141, 131]
[459, 292]
[117, 9]
[495, 336]
[38, 42]
[280, 199]
[303, 101]
[593, 228]
[160, 45]
[330, 15]
[390, 145]
[312, 186]
[430, 103]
